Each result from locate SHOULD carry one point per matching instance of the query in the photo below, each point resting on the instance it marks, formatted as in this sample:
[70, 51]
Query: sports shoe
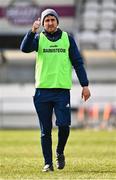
[47, 168]
[60, 161]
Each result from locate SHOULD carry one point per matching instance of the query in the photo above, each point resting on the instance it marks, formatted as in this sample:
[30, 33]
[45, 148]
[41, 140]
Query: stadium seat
[92, 5]
[108, 5]
[87, 39]
[107, 20]
[90, 20]
[105, 40]
[114, 40]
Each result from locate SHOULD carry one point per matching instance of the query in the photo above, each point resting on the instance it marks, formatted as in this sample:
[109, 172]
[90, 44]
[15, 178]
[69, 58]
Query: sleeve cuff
[30, 33]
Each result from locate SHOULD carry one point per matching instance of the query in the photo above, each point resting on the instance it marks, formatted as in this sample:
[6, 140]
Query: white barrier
[17, 109]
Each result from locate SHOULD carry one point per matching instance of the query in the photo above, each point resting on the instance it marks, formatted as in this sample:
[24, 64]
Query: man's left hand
[85, 93]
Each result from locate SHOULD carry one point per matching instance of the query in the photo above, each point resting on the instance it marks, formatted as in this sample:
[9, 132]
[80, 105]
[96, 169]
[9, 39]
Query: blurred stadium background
[93, 25]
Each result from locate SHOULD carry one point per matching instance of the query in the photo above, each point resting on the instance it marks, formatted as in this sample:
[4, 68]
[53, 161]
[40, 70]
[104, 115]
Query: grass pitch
[89, 155]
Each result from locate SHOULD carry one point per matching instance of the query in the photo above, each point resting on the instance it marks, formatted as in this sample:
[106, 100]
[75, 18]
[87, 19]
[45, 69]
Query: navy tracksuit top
[30, 43]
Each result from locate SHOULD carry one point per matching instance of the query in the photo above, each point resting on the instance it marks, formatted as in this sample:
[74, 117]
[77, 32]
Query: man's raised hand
[36, 25]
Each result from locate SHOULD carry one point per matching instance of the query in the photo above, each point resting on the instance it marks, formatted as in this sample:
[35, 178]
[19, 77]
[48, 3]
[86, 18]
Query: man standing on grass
[56, 53]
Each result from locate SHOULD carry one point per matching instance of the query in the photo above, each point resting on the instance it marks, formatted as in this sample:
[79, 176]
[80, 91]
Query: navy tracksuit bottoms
[45, 101]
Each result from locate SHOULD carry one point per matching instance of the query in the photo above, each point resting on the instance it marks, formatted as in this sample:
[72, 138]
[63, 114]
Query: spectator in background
[56, 53]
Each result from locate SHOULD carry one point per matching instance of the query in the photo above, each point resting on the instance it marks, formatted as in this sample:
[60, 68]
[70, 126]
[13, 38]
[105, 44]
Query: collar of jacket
[54, 36]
